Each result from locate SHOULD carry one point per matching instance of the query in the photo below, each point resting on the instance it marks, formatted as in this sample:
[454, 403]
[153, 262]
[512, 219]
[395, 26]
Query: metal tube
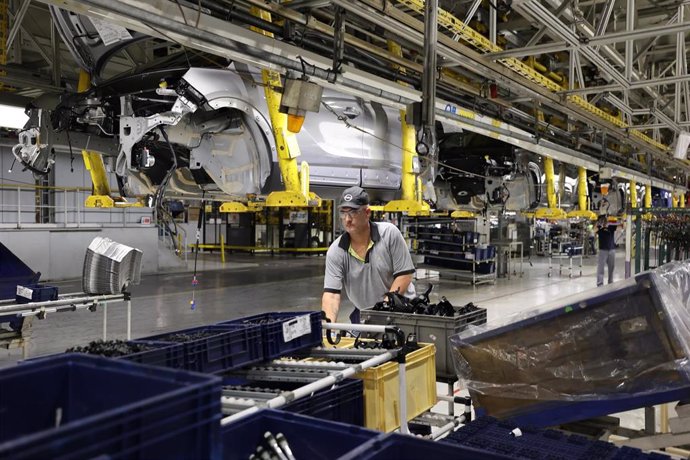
[18, 18]
[429, 78]
[314, 386]
[105, 321]
[129, 320]
[447, 428]
[18, 308]
[355, 327]
[680, 48]
[628, 244]
[629, 26]
[402, 396]
[611, 38]
[493, 29]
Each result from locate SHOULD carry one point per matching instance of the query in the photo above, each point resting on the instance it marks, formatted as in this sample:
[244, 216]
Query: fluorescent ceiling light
[12, 117]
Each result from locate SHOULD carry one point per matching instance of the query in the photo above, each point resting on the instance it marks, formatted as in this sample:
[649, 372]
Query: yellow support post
[682, 200]
[674, 199]
[648, 196]
[582, 212]
[550, 182]
[286, 142]
[222, 248]
[411, 200]
[633, 194]
[582, 188]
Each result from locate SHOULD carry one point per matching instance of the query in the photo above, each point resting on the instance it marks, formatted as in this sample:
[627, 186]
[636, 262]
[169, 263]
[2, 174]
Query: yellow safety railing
[465, 33]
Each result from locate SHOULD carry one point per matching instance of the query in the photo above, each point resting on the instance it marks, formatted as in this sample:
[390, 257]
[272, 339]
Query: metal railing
[23, 205]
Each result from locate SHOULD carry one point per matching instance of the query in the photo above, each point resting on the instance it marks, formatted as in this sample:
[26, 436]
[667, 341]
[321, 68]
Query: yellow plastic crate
[381, 392]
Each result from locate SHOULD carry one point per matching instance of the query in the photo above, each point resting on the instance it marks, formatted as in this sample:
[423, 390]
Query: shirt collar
[345, 238]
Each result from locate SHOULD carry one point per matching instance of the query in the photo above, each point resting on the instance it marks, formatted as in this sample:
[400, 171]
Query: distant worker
[368, 260]
[607, 249]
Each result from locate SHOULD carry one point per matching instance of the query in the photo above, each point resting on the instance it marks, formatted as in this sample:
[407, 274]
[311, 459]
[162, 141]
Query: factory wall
[57, 249]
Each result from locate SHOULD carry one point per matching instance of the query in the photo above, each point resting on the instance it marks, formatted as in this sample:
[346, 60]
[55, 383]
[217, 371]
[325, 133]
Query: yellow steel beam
[633, 194]
[550, 183]
[94, 164]
[682, 200]
[465, 33]
[286, 142]
[648, 196]
[586, 214]
[582, 188]
[674, 200]
[463, 215]
[234, 206]
[550, 213]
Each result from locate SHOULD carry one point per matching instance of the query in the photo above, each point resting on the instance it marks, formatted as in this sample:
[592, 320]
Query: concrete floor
[246, 285]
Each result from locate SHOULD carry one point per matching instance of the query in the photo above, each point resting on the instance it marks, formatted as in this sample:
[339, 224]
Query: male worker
[368, 260]
[607, 249]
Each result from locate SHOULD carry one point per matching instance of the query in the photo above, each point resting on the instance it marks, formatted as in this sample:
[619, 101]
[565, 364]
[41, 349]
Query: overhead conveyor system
[593, 134]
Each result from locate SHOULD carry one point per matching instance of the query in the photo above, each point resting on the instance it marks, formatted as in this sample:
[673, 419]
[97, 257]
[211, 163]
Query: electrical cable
[202, 216]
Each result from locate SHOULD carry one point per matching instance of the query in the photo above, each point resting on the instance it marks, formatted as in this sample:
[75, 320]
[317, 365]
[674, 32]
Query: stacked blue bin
[284, 333]
[78, 406]
[308, 438]
[490, 435]
[222, 347]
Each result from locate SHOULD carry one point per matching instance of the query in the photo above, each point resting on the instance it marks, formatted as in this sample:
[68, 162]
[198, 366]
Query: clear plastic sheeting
[110, 267]
[626, 340]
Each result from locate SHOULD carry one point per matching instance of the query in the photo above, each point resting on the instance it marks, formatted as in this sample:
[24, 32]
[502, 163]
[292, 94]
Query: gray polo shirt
[366, 282]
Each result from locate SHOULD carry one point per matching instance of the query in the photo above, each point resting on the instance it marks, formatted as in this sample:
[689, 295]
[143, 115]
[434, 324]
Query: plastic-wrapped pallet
[110, 267]
[607, 350]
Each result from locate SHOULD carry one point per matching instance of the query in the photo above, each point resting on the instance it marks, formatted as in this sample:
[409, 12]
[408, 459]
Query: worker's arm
[403, 268]
[330, 304]
[333, 282]
[400, 283]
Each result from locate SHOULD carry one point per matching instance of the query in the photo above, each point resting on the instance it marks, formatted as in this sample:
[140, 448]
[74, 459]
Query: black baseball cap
[354, 197]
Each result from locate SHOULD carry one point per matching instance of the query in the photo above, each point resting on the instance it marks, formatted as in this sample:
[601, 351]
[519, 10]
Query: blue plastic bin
[231, 346]
[489, 434]
[401, 447]
[77, 406]
[13, 272]
[163, 354]
[273, 326]
[342, 403]
[36, 293]
[309, 438]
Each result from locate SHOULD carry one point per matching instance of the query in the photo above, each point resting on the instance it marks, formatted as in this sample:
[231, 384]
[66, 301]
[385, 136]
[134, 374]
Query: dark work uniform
[607, 253]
